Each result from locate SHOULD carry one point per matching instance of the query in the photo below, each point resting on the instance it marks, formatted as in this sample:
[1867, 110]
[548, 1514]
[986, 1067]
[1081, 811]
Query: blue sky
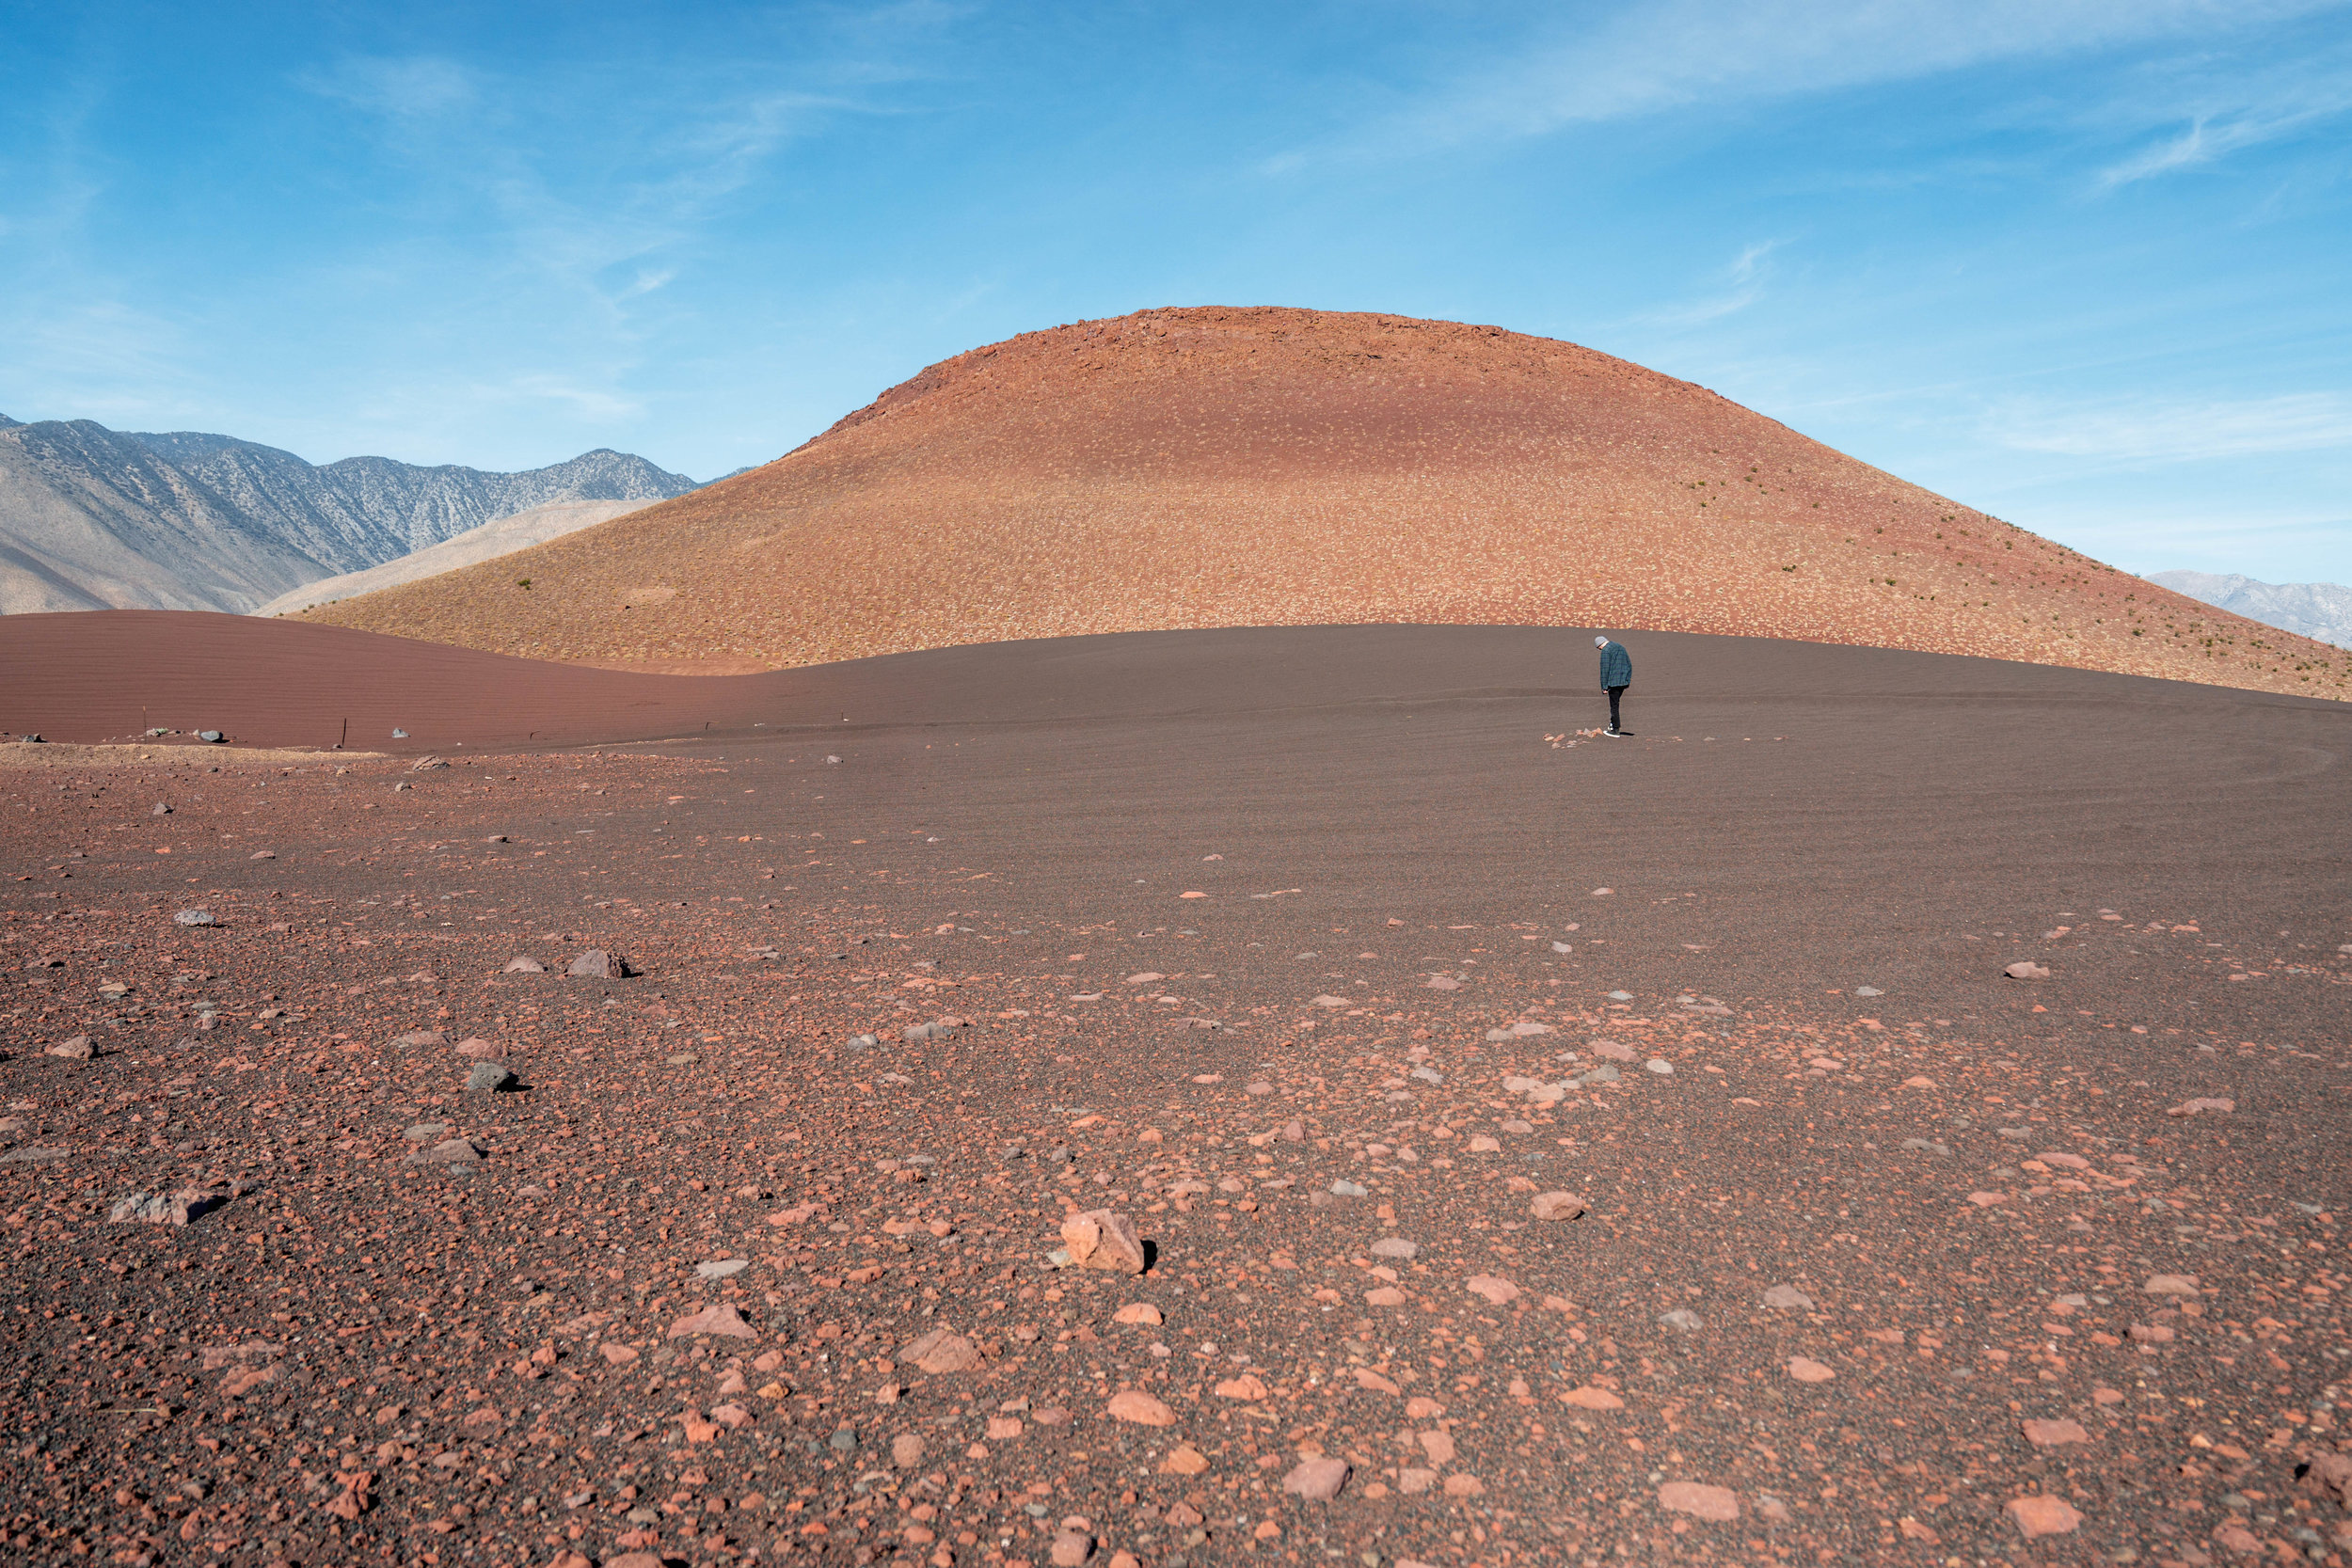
[2083, 264]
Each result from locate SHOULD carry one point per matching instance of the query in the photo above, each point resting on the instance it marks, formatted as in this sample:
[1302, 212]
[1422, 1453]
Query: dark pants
[1614, 692]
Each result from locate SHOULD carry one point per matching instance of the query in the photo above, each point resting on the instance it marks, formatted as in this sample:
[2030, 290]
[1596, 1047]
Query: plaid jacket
[1616, 666]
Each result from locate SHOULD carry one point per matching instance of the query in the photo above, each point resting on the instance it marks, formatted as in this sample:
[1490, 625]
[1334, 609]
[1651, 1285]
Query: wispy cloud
[1743, 285]
[592, 194]
[2178, 432]
[419, 88]
[588, 402]
[1649, 58]
[2249, 114]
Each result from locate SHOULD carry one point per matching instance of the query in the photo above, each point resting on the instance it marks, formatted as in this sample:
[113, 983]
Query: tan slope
[536, 525]
[1252, 466]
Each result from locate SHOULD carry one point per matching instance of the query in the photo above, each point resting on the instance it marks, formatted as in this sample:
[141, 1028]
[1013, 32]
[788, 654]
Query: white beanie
[1600, 642]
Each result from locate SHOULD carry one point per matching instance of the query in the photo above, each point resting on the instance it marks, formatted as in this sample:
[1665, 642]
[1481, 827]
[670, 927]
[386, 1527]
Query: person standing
[1617, 674]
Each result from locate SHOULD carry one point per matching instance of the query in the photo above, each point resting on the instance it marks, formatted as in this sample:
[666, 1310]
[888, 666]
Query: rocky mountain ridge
[2322, 611]
[94, 518]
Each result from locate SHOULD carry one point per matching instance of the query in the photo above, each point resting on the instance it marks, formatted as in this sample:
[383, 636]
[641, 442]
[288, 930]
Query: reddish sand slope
[1214, 466]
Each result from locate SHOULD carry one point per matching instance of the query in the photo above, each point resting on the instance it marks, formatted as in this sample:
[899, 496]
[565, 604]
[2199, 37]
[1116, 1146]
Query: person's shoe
[1613, 734]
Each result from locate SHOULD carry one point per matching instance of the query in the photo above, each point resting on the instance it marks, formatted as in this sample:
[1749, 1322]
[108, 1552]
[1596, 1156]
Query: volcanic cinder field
[1537, 1149]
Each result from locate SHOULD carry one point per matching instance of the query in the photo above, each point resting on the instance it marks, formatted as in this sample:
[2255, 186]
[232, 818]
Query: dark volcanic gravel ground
[1886, 1256]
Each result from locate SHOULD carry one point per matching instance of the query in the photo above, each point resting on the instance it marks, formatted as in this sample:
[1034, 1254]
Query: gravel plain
[1542, 1149]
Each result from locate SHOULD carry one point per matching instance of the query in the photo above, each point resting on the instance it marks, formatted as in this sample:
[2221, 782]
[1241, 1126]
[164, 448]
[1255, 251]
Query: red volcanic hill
[1265, 466]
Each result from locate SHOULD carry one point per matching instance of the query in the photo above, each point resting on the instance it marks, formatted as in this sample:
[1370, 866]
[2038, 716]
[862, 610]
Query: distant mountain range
[2316, 609]
[92, 519]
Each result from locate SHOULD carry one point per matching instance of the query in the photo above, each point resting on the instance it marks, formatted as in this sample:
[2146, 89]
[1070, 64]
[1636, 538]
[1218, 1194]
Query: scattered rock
[1868, 990]
[2329, 1472]
[1601, 1075]
[2041, 1514]
[1927, 1145]
[1395, 1246]
[1138, 1312]
[597, 964]
[159, 810]
[1557, 1206]
[1805, 1370]
[74, 1047]
[1591, 1399]
[1716, 1504]
[940, 1351]
[1071, 1548]
[421, 1037]
[723, 1269]
[489, 1078]
[183, 1207]
[1659, 1066]
[2195, 1107]
[1133, 1404]
[1787, 1296]
[524, 966]
[480, 1049]
[718, 1318]
[2171, 1285]
[1318, 1481]
[252, 1353]
[1681, 1319]
[457, 1151]
[2049, 1434]
[1344, 1188]
[906, 1451]
[2025, 968]
[426, 1130]
[1500, 1291]
[1611, 1050]
[862, 1043]
[1100, 1238]
[194, 917]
